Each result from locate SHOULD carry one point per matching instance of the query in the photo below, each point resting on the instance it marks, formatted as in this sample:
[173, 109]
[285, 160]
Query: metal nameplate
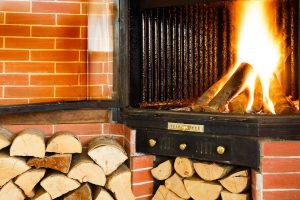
[185, 127]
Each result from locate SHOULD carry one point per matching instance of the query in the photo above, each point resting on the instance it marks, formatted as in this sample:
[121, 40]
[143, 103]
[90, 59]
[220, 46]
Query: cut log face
[184, 167]
[58, 162]
[212, 171]
[11, 167]
[163, 170]
[85, 170]
[107, 153]
[58, 184]
[6, 137]
[84, 192]
[119, 182]
[232, 196]
[237, 182]
[29, 142]
[175, 184]
[11, 191]
[41, 194]
[201, 190]
[163, 193]
[64, 142]
[29, 179]
[101, 194]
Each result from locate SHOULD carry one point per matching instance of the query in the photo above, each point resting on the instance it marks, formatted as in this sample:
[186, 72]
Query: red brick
[139, 162]
[14, 55]
[282, 195]
[47, 129]
[28, 92]
[281, 148]
[52, 31]
[14, 6]
[83, 79]
[1, 17]
[29, 43]
[71, 68]
[98, 79]
[143, 189]
[83, 32]
[84, 8]
[56, 7]
[80, 129]
[41, 100]
[85, 139]
[73, 20]
[96, 67]
[29, 67]
[95, 92]
[110, 128]
[14, 30]
[281, 165]
[1, 42]
[284, 181]
[1, 67]
[24, 18]
[54, 55]
[141, 176]
[71, 91]
[83, 56]
[13, 101]
[107, 91]
[100, 8]
[100, 56]
[14, 79]
[71, 44]
[54, 80]
[145, 198]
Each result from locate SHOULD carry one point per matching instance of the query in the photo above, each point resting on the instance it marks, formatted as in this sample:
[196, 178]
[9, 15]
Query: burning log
[282, 105]
[258, 96]
[232, 86]
[239, 103]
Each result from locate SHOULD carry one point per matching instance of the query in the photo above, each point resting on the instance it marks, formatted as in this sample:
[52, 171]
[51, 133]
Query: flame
[257, 46]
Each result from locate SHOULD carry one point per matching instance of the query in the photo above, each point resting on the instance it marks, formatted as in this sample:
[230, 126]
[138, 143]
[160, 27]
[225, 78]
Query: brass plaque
[185, 127]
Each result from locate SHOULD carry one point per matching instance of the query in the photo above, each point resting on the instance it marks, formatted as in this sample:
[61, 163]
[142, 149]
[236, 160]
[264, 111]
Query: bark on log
[101, 194]
[202, 190]
[6, 137]
[58, 184]
[58, 162]
[184, 167]
[282, 105]
[212, 171]
[237, 182]
[29, 142]
[119, 182]
[11, 191]
[41, 194]
[64, 142]
[232, 86]
[258, 96]
[84, 192]
[84, 169]
[175, 184]
[239, 103]
[29, 179]
[107, 153]
[232, 196]
[163, 193]
[163, 170]
[11, 167]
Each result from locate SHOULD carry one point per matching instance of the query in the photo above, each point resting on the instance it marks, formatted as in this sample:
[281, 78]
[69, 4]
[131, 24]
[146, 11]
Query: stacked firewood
[60, 168]
[200, 181]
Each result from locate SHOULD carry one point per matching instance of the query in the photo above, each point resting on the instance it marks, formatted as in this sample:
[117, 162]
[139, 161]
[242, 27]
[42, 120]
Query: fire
[258, 46]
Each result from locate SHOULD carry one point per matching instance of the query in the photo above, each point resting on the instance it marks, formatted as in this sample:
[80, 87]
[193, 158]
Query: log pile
[37, 169]
[187, 179]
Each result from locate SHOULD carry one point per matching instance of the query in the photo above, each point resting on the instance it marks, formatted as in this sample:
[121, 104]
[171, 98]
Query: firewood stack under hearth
[185, 179]
[61, 168]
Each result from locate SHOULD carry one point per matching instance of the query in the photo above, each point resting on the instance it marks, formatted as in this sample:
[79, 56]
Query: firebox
[176, 53]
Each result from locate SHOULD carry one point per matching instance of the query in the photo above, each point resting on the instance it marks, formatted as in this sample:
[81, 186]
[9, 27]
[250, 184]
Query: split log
[84, 169]
[212, 171]
[119, 182]
[163, 193]
[237, 182]
[11, 191]
[64, 142]
[6, 137]
[232, 196]
[29, 142]
[101, 194]
[58, 162]
[84, 192]
[11, 167]
[235, 84]
[107, 153]
[184, 167]
[258, 96]
[201, 190]
[175, 184]
[41, 194]
[163, 170]
[29, 179]
[58, 184]
[239, 103]
[282, 105]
